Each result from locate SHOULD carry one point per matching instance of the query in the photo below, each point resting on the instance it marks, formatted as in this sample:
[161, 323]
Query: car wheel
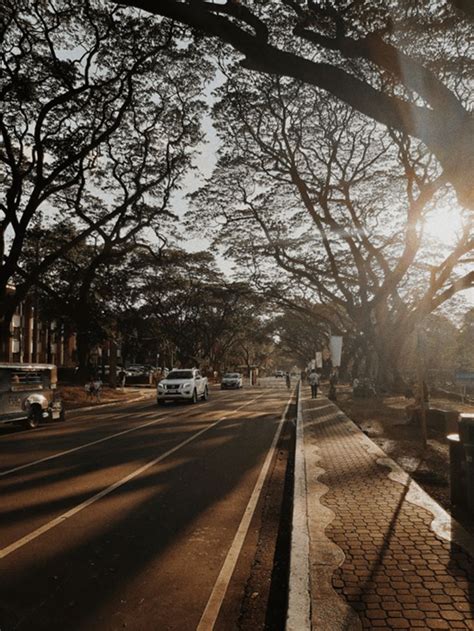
[62, 416]
[205, 396]
[34, 417]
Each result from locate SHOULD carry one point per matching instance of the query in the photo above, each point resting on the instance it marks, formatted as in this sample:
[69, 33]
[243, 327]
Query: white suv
[182, 385]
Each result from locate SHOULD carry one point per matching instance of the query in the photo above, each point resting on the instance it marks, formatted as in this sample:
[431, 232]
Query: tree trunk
[113, 363]
[81, 320]
[388, 350]
[8, 304]
[84, 367]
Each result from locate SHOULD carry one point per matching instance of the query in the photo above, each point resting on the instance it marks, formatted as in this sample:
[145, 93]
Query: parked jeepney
[28, 394]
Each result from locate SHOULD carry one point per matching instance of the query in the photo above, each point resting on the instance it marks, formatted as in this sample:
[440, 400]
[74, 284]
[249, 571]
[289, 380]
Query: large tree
[339, 205]
[301, 335]
[465, 342]
[99, 119]
[87, 289]
[405, 65]
[185, 301]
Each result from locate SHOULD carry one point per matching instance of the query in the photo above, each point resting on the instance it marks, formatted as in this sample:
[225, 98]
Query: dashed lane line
[4, 552]
[84, 445]
[27, 465]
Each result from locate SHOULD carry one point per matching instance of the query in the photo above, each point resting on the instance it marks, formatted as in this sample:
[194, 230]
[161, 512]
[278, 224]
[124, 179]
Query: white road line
[73, 511]
[214, 604]
[79, 447]
[85, 445]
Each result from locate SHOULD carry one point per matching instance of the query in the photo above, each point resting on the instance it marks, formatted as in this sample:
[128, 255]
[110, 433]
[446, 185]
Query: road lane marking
[90, 444]
[214, 604]
[73, 511]
[79, 447]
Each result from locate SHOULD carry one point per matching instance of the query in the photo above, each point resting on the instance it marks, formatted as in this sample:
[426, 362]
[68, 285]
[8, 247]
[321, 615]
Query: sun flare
[444, 224]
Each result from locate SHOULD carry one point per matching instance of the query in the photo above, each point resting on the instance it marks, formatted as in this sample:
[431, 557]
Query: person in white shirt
[313, 381]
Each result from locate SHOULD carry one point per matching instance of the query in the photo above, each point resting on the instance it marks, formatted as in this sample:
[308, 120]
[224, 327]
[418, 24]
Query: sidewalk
[381, 553]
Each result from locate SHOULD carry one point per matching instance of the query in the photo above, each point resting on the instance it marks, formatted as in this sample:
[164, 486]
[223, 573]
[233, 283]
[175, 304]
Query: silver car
[28, 394]
[231, 380]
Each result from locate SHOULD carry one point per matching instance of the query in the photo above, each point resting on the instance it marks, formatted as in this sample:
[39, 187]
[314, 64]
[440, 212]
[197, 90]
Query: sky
[205, 163]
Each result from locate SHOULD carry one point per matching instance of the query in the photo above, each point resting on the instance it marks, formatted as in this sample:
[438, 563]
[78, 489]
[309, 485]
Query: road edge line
[214, 603]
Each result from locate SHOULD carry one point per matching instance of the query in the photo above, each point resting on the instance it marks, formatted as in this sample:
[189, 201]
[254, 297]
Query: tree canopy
[340, 206]
[406, 65]
[186, 301]
[99, 121]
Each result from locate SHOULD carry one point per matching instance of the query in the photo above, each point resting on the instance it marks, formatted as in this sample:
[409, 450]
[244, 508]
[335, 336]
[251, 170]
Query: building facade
[31, 339]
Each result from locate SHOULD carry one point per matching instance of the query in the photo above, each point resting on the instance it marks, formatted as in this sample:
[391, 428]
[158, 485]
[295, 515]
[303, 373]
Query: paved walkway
[382, 553]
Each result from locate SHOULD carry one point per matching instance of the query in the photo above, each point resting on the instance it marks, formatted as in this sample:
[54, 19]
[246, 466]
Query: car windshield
[180, 374]
[232, 375]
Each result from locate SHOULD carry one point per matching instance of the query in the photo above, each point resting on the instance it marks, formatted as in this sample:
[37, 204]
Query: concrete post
[457, 485]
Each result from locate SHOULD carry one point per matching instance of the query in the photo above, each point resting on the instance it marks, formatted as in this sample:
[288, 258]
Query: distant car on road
[231, 380]
[279, 373]
[135, 370]
[105, 370]
[182, 385]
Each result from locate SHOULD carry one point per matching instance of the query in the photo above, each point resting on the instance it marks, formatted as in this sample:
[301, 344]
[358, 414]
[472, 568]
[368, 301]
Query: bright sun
[444, 224]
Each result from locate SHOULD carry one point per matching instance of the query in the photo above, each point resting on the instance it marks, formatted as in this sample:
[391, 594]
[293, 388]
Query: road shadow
[125, 548]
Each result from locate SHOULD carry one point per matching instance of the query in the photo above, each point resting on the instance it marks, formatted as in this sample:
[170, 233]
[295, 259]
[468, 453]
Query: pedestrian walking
[97, 385]
[122, 376]
[288, 380]
[94, 389]
[313, 381]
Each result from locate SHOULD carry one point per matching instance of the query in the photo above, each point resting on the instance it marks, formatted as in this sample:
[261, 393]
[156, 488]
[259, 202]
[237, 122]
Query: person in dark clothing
[332, 386]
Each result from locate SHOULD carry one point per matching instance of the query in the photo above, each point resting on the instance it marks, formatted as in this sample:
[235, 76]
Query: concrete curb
[299, 591]
[329, 611]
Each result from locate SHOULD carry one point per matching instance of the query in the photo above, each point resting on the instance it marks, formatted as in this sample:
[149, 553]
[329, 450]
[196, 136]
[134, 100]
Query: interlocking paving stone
[396, 573]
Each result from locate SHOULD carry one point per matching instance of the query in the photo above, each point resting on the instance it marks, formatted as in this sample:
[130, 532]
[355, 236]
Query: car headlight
[187, 386]
[161, 386]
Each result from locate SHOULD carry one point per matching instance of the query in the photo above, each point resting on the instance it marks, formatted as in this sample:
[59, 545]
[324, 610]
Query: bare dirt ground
[75, 396]
[385, 421]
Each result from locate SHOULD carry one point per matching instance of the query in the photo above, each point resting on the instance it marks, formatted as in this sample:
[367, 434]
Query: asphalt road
[135, 517]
